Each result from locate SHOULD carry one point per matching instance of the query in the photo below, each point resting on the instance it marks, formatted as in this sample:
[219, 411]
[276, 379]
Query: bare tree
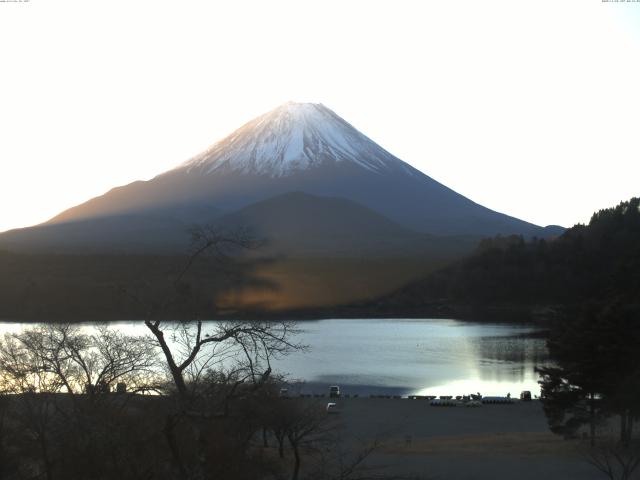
[192, 348]
[55, 373]
[317, 440]
[246, 348]
[616, 460]
[195, 353]
[304, 425]
[309, 422]
[60, 358]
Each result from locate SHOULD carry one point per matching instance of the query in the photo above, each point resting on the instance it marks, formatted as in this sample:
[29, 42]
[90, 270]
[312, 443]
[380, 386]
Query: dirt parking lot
[463, 443]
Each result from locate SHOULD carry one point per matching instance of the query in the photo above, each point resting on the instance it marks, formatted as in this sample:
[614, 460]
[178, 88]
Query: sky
[529, 108]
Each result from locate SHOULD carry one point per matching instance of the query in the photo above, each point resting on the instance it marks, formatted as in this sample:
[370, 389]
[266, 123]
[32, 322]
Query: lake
[407, 356]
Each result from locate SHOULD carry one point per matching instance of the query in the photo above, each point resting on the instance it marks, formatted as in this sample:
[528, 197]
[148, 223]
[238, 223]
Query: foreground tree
[615, 460]
[597, 373]
[211, 363]
[596, 377]
[572, 390]
[61, 417]
[60, 358]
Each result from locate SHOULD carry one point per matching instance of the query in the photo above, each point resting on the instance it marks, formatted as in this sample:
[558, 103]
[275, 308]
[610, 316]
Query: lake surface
[406, 356]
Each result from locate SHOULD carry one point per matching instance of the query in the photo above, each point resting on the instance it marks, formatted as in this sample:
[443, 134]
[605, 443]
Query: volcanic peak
[292, 137]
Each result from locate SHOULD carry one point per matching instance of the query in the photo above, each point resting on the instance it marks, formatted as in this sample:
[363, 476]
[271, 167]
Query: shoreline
[517, 316]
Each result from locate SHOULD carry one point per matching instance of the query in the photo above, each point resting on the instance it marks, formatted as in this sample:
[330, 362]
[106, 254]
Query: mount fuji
[299, 148]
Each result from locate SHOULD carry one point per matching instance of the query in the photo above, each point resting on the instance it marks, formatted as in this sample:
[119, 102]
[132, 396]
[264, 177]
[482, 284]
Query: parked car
[332, 408]
[525, 396]
[334, 391]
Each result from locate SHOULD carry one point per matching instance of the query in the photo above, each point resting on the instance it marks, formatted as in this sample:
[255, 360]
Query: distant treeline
[586, 263]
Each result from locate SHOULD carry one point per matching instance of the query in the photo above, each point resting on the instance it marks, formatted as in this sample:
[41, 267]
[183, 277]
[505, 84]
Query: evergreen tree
[596, 373]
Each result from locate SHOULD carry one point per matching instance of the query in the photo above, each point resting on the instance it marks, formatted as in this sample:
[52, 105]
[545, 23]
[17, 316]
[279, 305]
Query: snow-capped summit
[290, 138]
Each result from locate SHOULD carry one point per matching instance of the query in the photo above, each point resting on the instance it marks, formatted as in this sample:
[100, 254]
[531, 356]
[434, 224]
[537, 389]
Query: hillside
[586, 263]
[303, 225]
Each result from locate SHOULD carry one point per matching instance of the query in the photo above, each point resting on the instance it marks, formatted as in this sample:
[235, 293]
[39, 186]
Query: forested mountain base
[588, 262]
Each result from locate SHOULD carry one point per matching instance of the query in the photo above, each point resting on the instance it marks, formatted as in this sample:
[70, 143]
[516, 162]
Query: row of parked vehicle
[334, 392]
[472, 400]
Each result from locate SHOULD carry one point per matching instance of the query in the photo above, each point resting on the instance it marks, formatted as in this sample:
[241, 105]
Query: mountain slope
[294, 148]
[292, 224]
[308, 148]
[115, 234]
[308, 225]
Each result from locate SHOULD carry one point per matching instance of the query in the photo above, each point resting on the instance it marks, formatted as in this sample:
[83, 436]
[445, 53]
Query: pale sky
[531, 108]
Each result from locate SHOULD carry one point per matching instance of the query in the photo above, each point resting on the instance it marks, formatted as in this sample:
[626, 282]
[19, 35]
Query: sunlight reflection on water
[406, 356]
[420, 356]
